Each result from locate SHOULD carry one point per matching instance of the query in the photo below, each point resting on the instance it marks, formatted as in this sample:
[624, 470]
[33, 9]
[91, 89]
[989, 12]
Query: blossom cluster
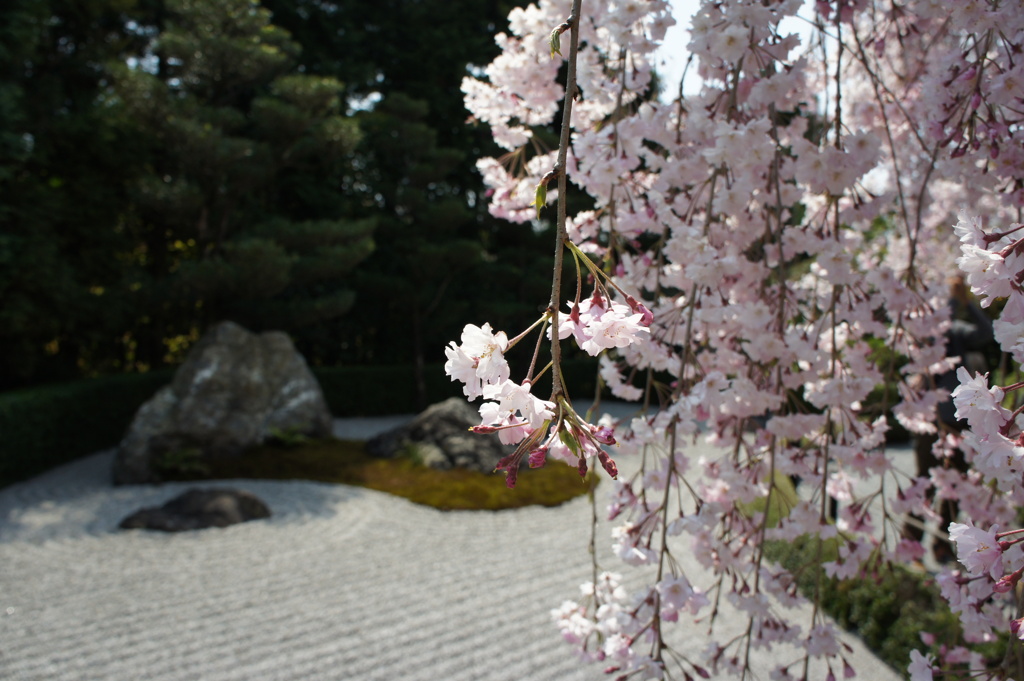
[788, 229]
[993, 440]
[518, 416]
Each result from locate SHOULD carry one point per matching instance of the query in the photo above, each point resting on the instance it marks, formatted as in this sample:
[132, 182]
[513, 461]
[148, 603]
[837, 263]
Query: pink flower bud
[1004, 585]
[581, 466]
[639, 308]
[604, 435]
[507, 463]
[1015, 628]
[483, 430]
[1007, 582]
[538, 457]
[609, 465]
[647, 317]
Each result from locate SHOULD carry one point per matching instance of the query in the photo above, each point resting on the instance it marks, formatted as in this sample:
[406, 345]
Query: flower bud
[1015, 628]
[609, 465]
[647, 317]
[604, 435]
[1004, 585]
[1007, 582]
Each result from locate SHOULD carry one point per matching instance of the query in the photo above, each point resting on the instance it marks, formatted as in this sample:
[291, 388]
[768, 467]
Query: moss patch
[344, 461]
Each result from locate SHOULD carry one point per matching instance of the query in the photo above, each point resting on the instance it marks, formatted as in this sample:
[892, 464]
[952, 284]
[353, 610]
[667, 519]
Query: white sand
[341, 583]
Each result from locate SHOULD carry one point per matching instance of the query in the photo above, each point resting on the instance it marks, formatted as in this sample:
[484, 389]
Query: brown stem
[561, 236]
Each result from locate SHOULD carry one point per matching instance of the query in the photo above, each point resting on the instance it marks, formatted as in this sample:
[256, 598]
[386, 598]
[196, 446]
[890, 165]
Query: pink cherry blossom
[787, 270]
[978, 403]
[920, 668]
[479, 360]
[977, 550]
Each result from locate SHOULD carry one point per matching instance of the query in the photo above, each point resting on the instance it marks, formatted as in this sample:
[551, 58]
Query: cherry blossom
[978, 403]
[920, 668]
[978, 550]
[479, 360]
[766, 257]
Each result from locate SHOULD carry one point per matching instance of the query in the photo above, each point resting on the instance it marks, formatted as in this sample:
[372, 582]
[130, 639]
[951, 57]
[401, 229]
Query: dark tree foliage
[242, 197]
[163, 164]
[442, 259]
[62, 154]
[168, 163]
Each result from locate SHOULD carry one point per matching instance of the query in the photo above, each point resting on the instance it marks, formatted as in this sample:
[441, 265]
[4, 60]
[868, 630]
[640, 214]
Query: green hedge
[50, 425]
[381, 390]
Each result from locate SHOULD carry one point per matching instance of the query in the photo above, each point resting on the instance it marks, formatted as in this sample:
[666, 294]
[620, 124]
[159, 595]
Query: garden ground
[341, 583]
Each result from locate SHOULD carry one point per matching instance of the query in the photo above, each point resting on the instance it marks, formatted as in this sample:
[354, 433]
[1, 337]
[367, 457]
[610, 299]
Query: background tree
[64, 154]
[239, 208]
[403, 64]
[164, 163]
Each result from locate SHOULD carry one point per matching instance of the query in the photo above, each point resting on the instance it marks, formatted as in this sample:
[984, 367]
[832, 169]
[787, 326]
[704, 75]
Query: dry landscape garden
[577, 339]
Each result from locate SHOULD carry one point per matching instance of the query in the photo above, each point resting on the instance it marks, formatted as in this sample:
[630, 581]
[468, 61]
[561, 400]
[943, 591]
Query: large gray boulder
[439, 437]
[235, 390]
[197, 509]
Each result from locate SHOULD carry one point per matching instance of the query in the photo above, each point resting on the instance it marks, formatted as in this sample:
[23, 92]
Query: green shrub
[888, 609]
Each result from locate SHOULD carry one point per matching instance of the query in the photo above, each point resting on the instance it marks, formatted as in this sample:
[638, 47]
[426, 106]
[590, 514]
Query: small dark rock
[439, 437]
[197, 509]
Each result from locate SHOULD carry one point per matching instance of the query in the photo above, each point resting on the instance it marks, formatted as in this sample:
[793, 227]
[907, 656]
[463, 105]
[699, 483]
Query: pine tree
[242, 210]
[63, 156]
